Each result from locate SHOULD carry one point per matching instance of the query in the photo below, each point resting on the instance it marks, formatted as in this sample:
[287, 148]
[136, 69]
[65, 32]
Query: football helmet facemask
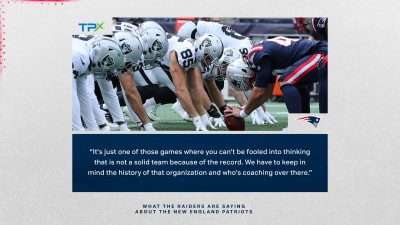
[229, 56]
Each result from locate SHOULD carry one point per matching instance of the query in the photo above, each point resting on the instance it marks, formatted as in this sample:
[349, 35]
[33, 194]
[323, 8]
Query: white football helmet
[229, 56]
[209, 49]
[106, 57]
[150, 24]
[240, 76]
[130, 46]
[155, 46]
[124, 26]
[189, 30]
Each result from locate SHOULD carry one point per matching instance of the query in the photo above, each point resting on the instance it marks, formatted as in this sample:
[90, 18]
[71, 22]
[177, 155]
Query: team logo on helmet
[229, 52]
[321, 22]
[234, 82]
[157, 45]
[107, 61]
[206, 43]
[126, 49]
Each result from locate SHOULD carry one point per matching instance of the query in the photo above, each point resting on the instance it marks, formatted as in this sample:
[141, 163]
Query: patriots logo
[321, 22]
[234, 82]
[311, 119]
[157, 46]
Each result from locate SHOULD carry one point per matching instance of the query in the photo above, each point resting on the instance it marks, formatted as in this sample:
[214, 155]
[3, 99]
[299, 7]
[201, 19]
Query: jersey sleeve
[263, 72]
[80, 58]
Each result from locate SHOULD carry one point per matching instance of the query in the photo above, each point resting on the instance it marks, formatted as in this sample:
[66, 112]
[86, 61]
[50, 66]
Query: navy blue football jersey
[282, 51]
[278, 54]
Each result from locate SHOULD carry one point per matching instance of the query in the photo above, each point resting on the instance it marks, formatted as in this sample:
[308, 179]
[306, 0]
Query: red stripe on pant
[325, 60]
[301, 67]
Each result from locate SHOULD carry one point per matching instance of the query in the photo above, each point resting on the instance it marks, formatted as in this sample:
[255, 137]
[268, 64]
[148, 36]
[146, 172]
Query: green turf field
[171, 122]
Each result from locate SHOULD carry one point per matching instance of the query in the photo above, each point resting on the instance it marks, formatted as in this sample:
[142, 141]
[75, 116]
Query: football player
[186, 56]
[319, 29]
[150, 86]
[102, 57]
[107, 94]
[229, 38]
[132, 49]
[303, 59]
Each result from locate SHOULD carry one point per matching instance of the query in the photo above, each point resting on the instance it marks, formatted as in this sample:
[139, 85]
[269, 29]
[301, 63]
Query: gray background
[363, 120]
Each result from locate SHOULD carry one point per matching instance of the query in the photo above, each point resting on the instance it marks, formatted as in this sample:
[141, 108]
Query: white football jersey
[228, 36]
[80, 57]
[185, 51]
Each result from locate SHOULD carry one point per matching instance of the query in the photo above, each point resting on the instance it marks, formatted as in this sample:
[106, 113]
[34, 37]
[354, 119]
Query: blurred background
[256, 29]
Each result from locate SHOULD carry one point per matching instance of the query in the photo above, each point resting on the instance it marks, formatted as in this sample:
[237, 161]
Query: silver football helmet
[209, 49]
[240, 76]
[189, 30]
[150, 24]
[155, 46]
[229, 56]
[130, 46]
[106, 57]
[127, 27]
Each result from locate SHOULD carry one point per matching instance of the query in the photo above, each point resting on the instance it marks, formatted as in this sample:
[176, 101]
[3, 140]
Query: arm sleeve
[263, 73]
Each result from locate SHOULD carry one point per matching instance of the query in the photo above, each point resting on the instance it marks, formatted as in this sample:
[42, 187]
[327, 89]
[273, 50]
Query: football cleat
[152, 112]
[123, 127]
[106, 128]
[177, 108]
[186, 117]
[113, 126]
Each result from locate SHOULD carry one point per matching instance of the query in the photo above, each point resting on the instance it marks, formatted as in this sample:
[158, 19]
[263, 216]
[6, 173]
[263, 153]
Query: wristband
[213, 112]
[222, 109]
[243, 114]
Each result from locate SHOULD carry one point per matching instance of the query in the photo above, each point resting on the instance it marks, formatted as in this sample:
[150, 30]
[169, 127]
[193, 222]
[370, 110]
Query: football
[233, 123]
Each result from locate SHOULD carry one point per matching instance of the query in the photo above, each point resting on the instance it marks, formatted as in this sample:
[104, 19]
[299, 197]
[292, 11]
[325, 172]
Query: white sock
[149, 102]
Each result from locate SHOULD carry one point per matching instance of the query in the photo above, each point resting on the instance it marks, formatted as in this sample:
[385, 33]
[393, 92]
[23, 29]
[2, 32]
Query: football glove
[206, 121]
[199, 125]
[270, 116]
[218, 122]
[262, 116]
[147, 127]
[255, 119]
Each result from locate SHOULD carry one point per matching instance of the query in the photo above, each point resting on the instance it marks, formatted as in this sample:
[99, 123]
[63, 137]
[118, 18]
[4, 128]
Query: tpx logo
[91, 26]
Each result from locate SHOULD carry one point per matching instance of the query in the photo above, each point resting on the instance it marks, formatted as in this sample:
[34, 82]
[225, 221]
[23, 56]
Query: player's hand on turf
[147, 127]
[267, 114]
[218, 122]
[255, 119]
[232, 111]
[262, 116]
[206, 121]
[199, 125]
